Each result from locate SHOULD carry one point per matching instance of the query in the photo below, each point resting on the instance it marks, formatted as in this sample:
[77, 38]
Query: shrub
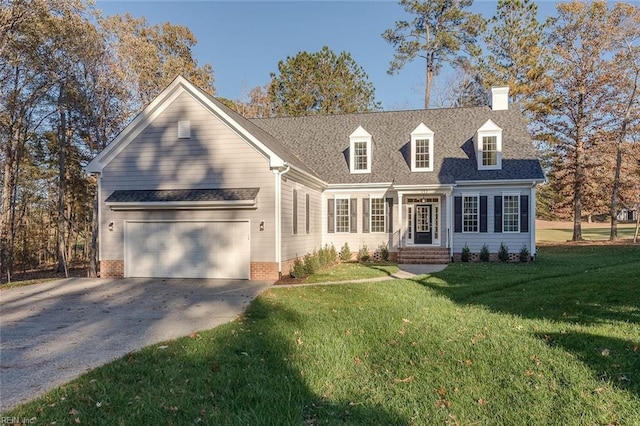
[325, 258]
[524, 253]
[311, 263]
[466, 253]
[484, 253]
[298, 270]
[503, 253]
[363, 254]
[383, 251]
[333, 254]
[345, 253]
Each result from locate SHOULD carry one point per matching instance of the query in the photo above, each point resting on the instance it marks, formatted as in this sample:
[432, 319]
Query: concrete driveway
[53, 332]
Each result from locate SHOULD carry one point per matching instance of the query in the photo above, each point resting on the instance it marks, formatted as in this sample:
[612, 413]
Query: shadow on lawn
[581, 285]
[240, 373]
[612, 360]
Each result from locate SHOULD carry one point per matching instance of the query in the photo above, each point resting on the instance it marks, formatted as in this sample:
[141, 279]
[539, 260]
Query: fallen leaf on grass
[443, 403]
[406, 321]
[77, 420]
[598, 390]
[195, 336]
[357, 360]
[441, 391]
[73, 412]
[482, 401]
[163, 347]
[405, 380]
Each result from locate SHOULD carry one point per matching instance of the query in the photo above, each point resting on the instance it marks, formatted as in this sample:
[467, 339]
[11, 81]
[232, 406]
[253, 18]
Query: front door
[422, 224]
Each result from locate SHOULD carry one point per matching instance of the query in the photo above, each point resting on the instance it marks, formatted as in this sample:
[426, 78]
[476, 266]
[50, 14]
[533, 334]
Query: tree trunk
[615, 193]
[635, 234]
[613, 234]
[62, 172]
[92, 270]
[577, 190]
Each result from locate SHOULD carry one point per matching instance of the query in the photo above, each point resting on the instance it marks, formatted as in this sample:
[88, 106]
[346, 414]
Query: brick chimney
[500, 98]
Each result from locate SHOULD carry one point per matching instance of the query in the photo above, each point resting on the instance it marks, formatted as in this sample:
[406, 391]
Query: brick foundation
[493, 257]
[111, 268]
[264, 271]
[260, 271]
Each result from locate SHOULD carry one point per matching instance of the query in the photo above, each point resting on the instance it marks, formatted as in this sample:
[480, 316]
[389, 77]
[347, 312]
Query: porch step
[423, 255]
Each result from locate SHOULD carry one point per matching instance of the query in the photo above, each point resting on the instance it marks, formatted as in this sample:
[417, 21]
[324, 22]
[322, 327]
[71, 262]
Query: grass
[625, 230]
[23, 283]
[353, 271]
[553, 342]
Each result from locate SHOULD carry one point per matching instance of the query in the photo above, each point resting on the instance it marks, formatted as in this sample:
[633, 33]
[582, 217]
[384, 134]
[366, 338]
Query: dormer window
[360, 151]
[489, 146]
[422, 149]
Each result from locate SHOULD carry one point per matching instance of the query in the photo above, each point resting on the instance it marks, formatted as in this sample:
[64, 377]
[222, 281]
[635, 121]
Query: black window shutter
[390, 215]
[331, 211]
[457, 214]
[497, 213]
[306, 213]
[295, 211]
[365, 215]
[524, 213]
[354, 215]
[483, 213]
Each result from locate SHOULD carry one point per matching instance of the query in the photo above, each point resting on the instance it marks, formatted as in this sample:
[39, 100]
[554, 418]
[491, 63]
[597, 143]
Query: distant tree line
[71, 79]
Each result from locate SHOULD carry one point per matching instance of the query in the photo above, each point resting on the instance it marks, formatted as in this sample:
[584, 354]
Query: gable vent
[184, 129]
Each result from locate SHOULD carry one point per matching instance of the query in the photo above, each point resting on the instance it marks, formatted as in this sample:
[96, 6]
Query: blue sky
[244, 40]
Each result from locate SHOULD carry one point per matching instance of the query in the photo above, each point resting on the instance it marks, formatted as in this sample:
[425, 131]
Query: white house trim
[422, 132]
[360, 135]
[489, 129]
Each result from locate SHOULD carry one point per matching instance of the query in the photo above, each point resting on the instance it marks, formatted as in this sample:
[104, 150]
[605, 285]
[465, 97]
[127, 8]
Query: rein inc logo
[17, 420]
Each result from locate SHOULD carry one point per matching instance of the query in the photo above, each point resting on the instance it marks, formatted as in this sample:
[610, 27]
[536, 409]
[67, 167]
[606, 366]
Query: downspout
[532, 220]
[278, 212]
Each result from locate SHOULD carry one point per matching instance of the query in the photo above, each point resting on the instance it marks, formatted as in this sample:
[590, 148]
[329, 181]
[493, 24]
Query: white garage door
[187, 249]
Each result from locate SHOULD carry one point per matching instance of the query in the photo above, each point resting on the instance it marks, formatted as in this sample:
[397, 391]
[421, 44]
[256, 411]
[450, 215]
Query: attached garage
[187, 249]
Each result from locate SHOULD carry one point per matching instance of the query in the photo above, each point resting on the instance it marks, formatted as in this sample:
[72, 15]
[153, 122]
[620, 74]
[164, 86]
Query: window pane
[511, 213]
[470, 214]
[342, 215]
[422, 153]
[360, 156]
[378, 215]
[489, 150]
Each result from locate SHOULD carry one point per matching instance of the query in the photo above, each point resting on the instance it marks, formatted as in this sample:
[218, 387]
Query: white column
[449, 221]
[400, 227]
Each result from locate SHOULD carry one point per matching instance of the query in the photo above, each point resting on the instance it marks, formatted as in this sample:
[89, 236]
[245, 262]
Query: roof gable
[277, 154]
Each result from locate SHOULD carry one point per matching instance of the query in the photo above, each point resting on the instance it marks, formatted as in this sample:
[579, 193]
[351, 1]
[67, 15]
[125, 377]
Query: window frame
[422, 132]
[360, 135]
[383, 206]
[465, 215]
[337, 200]
[489, 129]
[294, 207]
[515, 217]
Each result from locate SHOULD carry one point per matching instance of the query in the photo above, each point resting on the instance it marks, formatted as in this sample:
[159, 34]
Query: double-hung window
[489, 151]
[470, 213]
[422, 149]
[342, 215]
[378, 215]
[511, 213]
[489, 146]
[360, 148]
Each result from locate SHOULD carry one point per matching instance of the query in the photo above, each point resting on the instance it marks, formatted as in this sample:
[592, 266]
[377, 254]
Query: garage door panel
[188, 249]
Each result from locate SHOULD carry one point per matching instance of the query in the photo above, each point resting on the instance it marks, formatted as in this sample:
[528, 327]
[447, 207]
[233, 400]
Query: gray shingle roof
[263, 136]
[322, 143]
[181, 195]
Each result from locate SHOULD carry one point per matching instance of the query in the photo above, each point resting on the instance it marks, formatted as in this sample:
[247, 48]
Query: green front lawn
[552, 342]
[556, 235]
[353, 271]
